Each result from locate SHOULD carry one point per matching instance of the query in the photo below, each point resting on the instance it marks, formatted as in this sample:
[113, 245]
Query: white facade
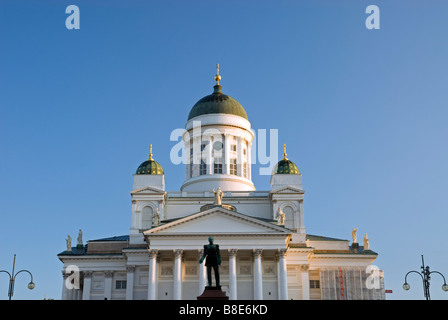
[262, 257]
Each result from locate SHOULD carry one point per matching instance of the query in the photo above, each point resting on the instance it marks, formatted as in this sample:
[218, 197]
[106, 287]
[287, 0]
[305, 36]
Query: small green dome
[285, 166]
[217, 102]
[150, 166]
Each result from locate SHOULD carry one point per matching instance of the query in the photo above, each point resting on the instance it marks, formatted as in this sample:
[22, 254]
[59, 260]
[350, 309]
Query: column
[258, 278]
[209, 155]
[202, 273]
[87, 285]
[177, 294]
[232, 274]
[282, 275]
[226, 158]
[239, 156]
[305, 281]
[130, 282]
[64, 286]
[108, 284]
[152, 276]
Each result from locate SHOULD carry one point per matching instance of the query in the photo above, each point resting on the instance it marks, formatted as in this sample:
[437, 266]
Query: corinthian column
[258, 277]
[152, 275]
[282, 275]
[232, 274]
[177, 295]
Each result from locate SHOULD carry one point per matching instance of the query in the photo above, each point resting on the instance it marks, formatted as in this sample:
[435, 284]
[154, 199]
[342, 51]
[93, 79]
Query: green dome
[217, 102]
[285, 166]
[150, 167]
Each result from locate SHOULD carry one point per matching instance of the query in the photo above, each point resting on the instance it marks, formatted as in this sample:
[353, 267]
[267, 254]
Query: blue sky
[363, 113]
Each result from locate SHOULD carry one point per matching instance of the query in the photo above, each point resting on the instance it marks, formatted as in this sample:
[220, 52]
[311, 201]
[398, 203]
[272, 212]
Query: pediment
[218, 221]
[148, 190]
[287, 190]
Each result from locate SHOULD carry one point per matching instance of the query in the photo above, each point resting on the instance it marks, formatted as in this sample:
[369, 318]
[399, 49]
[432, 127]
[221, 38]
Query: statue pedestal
[355, 247]
[213, 293]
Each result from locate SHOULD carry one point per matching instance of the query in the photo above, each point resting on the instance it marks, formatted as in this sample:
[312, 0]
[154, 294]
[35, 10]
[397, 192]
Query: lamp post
[12, 278]
[425, 275]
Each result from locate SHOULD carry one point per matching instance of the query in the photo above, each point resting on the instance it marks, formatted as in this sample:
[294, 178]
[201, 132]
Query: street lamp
[12, 278]
[425, 275]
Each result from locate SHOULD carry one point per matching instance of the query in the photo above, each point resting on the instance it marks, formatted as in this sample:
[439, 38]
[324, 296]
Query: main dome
[217, 102]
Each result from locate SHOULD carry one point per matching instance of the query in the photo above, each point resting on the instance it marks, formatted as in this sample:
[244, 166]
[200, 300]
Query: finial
[284, 152]
[150, 152]
[217, 77]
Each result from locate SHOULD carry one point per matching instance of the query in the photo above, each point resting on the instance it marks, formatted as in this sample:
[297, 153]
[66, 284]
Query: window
[217, 166]
[314, 284]
[203, 168]
[233, 145]
[233, 166]
[120, 284]
[245, 169]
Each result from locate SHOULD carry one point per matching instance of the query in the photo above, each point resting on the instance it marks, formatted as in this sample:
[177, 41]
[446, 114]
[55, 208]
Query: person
[211, 251]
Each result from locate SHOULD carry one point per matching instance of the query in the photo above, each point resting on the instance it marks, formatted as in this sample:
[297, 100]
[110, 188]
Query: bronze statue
[211, 251]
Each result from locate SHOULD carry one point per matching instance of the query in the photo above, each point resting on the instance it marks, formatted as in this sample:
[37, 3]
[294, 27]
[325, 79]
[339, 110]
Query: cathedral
[266, 253]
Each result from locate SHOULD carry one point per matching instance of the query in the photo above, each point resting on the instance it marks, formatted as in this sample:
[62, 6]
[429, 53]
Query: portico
[244, 242]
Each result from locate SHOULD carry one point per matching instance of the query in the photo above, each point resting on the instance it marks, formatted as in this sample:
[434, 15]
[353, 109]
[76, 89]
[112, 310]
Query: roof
[149, 167]
[115, 238]
[313, 237]
[217, 102]
[285, 166]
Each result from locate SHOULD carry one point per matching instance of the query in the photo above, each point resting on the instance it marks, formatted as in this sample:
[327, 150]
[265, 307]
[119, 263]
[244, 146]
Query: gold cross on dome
[217, 77]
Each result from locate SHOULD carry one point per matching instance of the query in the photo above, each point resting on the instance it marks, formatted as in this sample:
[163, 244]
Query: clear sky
[363, 114]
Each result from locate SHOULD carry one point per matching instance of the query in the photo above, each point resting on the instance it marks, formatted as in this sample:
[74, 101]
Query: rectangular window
[233, 145]
[217, 166]
[233, 166]
[190, 170]
[120, 284]
[203, 168]
[314, 284]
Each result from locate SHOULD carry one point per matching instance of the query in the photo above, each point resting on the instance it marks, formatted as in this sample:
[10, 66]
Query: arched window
[289, 216]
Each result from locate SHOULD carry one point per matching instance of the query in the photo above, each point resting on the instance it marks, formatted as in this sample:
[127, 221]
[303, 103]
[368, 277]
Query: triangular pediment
[287, 190]
[218, 221]
[148, 190]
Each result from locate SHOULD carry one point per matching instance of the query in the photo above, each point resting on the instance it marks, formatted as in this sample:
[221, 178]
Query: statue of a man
[156, 218]
[218, 196]
[354, 234]
[211, 251]
[80, 237]
[69, 243]
[366, 242]
[280, 216]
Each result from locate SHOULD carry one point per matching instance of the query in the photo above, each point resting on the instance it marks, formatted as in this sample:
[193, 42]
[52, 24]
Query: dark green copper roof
[217, 102]
[285, 166]
[150, 167]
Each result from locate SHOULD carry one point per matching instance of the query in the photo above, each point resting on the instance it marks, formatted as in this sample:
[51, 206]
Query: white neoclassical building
[266, 252]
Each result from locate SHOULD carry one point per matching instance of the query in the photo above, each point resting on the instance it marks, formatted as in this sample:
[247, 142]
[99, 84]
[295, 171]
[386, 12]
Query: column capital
[87, 274]
[152, 253]
[258, 253]
[282, 253]
[108, 273]
[304, 267]
[130, 268]
[233, 252]
[178, 253]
